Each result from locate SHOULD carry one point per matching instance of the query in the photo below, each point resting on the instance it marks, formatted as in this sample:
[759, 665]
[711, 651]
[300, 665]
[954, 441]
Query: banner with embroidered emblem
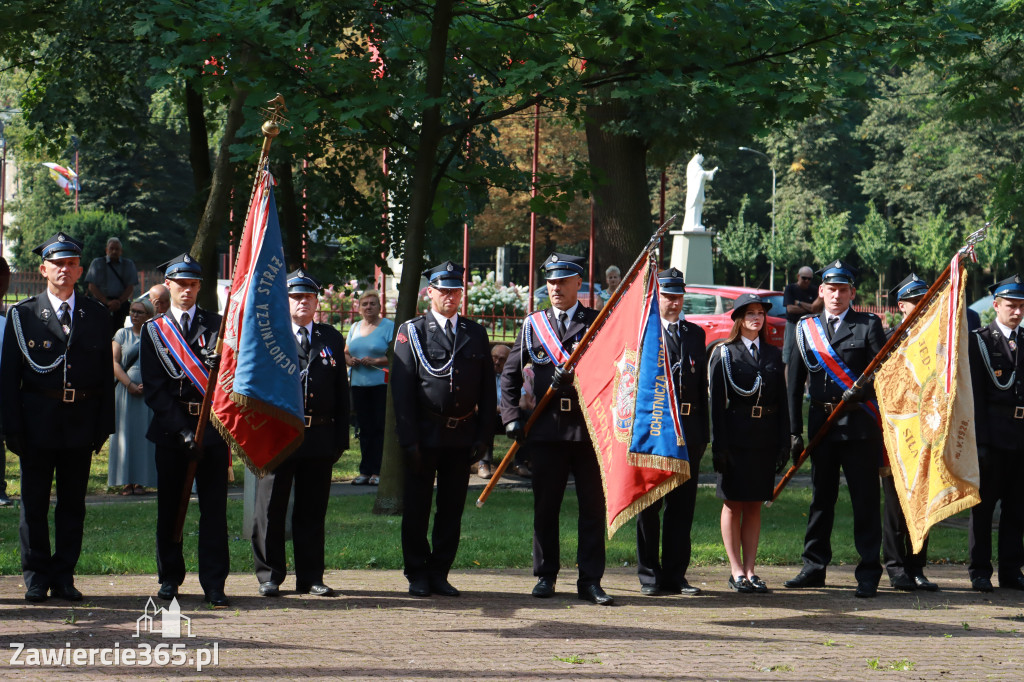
[257, 402]
[630, 406]
[171, 339]
[927, 410]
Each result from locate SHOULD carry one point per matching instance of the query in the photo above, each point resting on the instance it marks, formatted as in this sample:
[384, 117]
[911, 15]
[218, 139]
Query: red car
[710, 305]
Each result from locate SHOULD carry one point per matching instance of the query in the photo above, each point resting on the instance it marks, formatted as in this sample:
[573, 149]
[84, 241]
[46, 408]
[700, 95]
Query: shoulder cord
[443, 371]
[528, 344]
[727, 372]
[988, 365]
[15, 316]
[800, 344]
[161, 352]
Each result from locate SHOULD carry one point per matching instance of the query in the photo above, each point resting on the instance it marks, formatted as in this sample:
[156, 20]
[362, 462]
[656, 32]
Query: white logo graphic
[169, 625]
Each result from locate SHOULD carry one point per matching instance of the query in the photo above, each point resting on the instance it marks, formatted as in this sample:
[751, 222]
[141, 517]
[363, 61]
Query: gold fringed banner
[929, 430]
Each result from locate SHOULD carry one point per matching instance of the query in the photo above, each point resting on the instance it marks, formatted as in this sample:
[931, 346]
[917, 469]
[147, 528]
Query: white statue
[696, 176]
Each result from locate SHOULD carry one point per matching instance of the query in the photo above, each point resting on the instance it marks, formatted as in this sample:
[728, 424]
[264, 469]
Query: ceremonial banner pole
[270, 129]
[581, 347]
[864, 379]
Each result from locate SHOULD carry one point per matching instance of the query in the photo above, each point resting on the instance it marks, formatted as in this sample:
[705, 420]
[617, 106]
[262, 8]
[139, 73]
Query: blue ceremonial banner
[657, 438]
[257, 403]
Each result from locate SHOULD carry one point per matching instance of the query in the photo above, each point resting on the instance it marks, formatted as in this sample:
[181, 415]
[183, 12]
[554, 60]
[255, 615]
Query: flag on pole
[927, 410]
[257, 402]
[629, 403]
[65, 177]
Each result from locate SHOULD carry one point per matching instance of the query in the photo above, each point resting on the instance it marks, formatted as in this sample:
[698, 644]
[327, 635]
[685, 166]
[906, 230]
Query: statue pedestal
[691, 253]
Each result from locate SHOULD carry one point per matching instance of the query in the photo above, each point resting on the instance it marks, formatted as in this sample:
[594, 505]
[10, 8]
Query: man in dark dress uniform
[687, 357]
[442, 384]
[997, 374]
[325, 396]
[559, 442]
[58, 409]
[853, 444]
[904, 566]
[176, 401]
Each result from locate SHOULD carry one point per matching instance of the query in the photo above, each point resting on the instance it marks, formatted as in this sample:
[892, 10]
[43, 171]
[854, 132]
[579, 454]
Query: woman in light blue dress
[132, 457]
[366, 352]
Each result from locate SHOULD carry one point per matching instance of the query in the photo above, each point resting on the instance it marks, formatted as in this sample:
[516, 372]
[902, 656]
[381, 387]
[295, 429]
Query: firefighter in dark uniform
[853, 444]
[325, 396]
[688, 360]
[442, 385]
[58, 409]
[997, 374]
[176, 402]
[904, 566]
[559, 442]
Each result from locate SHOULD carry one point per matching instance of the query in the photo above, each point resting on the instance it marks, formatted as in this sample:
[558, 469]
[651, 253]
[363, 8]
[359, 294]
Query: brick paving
[496, 630]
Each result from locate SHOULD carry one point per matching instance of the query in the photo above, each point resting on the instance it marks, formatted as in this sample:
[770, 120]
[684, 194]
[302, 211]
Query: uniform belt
[68, 395]
[757, 411]
[318, 420]
[685, 409]
[828, 407]
[450, 422]
[193, 408]
[1015, 411]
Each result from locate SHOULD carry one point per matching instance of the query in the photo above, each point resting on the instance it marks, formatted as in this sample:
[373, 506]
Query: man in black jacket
[442, 386]
[185, 337]
[997, 375]
[58, 409]
[559, 441]
[853, 444]
[325, 397]
[688, 359]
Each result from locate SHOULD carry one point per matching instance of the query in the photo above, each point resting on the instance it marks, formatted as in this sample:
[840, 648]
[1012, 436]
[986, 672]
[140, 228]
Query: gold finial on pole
[274, 115]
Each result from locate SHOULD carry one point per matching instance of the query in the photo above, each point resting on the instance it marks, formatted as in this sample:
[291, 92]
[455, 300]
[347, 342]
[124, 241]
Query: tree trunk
[421, 200]
[622, 203]
[198, 144]
[204, 248]
[291, 213]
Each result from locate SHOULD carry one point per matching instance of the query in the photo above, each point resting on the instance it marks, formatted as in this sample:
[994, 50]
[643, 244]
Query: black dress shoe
[981, 585]
[923, 583]
[807, 579]
[758, 584]
[419, 587]
[903, 582]
[595, 595]
[269, 589]
[687, 588]
[317, 590]
[740, 584]
[167, 591]
[36, 594]
[1014, 583]
[652, 590]
[217, 599]
[444, 588]
[866, 590]
[67, 591]
[544, 588]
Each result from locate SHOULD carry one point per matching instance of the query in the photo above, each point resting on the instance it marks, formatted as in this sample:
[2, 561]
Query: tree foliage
[933, 241]
[830, 236]
[741, 242]
[876, 242]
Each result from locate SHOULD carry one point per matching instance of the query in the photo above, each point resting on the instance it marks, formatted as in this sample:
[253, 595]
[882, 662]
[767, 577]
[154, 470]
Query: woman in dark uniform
[749, 433]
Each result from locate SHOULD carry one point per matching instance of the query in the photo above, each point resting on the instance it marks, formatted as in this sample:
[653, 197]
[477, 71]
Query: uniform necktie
[1013, 341]
[449, 333]
[561, 324]
[64, 317]
[674, 340]
[833, 325]
[754, 353]
[304, 340]
[184, 325]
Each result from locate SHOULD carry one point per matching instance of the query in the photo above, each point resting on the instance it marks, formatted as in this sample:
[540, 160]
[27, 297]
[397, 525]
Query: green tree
[741, 242]
[877, 244]
[788, 249]
[995, 251]
[830, 236]
[933, 241]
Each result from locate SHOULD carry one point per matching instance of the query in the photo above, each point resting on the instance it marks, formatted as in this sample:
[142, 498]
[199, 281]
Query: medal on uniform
[45, 314]
[998, 372]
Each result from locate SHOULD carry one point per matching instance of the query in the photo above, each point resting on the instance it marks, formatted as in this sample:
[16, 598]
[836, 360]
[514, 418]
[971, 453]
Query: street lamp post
[771, 164]
[3, 183]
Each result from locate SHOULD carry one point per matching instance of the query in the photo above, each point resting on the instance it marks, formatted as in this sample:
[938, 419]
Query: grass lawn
[119, 538]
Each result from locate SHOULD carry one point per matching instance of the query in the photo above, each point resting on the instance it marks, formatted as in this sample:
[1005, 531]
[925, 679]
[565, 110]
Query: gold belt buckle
[755, 412]
[193, 409]
[309, 420]
[684, 409]
[452, 423]
[1018, 412]
[565, 405]
[69, 395]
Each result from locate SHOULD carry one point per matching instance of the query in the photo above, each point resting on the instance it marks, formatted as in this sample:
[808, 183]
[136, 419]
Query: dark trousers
[451, 467]
[212, 487]
[1001, 474]
[552, 463]
[897, 550]
[38, 469]
[370, 403]
[673, 536]
[312, 477]
[858, 460]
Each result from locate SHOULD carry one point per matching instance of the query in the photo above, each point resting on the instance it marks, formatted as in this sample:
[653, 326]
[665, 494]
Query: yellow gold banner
[929, 432]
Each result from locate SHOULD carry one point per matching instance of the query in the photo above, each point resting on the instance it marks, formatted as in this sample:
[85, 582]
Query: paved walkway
[497, 631]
